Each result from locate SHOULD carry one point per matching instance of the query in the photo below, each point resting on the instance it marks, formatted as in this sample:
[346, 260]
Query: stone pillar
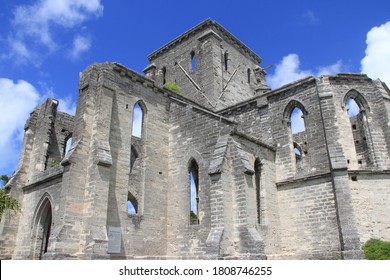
[348, 233]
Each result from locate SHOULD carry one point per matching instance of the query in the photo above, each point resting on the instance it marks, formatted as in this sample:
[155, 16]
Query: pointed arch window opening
[297, 121]
[42, 230]
[352, 108]
[297, 152]
[132, 204]
[138, 116]
[359, 129]
[68, 144]
[194, 193]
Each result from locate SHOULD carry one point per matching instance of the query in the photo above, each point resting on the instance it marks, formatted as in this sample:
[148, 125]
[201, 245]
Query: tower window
[225, 60]
[249, 75]
[193, 61]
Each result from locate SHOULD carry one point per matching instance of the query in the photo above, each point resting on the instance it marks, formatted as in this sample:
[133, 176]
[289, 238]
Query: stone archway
[41, 231]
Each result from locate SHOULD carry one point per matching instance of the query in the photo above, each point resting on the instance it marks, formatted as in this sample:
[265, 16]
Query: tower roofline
[201, 26]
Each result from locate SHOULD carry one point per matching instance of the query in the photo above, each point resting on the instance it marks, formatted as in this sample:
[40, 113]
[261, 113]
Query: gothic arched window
[194, 192]
[138, 118]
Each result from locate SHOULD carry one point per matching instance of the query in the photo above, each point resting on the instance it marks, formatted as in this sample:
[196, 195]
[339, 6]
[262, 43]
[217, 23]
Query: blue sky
[45, 44]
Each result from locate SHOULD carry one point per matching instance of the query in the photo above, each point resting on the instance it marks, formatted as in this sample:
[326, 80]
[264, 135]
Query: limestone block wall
[193, 135]
[371, 202]
[143, 233]
[308, 220]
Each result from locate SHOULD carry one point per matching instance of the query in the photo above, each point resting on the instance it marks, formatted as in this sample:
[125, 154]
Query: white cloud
[34, 24]
[17, 101]
[288, 70]
[67, 105]
[80, 44]
[310, 16]
[376, 62]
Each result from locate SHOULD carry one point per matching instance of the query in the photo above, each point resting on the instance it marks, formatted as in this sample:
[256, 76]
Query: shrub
[376, 249]
[7, 203]
[173, 86]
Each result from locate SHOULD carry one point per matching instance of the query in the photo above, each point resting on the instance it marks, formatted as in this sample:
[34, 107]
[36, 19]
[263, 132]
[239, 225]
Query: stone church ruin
[214, 171]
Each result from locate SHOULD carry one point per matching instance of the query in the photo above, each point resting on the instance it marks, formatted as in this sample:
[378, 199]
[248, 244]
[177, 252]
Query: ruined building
[218, 170]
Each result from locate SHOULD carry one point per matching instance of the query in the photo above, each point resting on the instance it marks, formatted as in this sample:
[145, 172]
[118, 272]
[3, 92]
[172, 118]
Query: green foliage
[7, 202]
[193, 218]
[376, 249]
[173, 86]
[5, 178]
[54, 163]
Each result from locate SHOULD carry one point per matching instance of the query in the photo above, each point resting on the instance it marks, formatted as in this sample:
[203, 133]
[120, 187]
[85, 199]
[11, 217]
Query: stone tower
[213, 68]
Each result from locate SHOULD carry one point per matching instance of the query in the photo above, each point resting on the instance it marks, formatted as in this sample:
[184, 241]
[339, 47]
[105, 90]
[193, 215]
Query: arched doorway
[41, 231]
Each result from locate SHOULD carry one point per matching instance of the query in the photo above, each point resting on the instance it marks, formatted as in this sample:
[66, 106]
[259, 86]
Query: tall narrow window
[225, 60]
[193, 61]
[257, 179]
[132, 204]
[137, 120]
[359, 125]
[164, 74]
[68, 144]
[297, 152]
[297, 121]
[194, 192]
[249, 75]
[352, 107]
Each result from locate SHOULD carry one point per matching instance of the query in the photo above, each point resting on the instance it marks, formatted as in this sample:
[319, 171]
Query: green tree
[7, 202]
[5, 178]
[376, 249]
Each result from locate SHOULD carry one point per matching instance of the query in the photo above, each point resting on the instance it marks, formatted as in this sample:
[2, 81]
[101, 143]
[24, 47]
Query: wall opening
[193, 61]
[138, 116]
[42, 227]
[359, 129]
[297, 152]
[297, 121]
[257, 184]
[68, 144]
[132, 204]
[194, 192]
[164, 75]
[248, 72]
[225, 60]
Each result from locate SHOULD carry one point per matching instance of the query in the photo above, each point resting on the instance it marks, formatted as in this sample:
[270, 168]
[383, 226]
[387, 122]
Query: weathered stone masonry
[262, 191]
